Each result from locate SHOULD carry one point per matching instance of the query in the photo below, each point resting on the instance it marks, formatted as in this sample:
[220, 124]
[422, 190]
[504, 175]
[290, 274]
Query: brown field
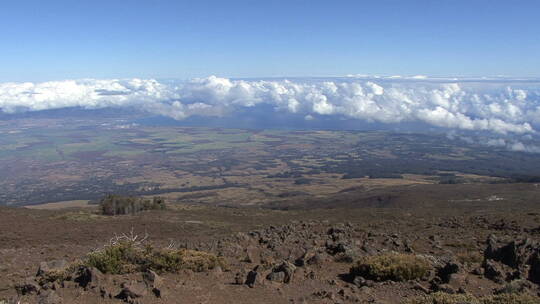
[62, 205]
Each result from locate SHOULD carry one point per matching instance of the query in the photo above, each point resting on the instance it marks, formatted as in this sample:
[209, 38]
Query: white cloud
[90, 93]
[521, 147]
[496, 142]
[496, 107]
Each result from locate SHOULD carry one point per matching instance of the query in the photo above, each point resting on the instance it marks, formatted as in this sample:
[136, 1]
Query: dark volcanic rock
[446, 272]
[132, 290]
[239, 278]
[516, 286]
[522, 256]
[29, 286]
[493, 271]
[276, 276]
[89, 277]
[534, 272]
[309, 258]
[361, 282]
[252, 277]
[49, 297]
[288, 269]
[155, 282]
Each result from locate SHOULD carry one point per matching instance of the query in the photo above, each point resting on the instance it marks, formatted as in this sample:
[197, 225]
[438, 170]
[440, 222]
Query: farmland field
[50, 160]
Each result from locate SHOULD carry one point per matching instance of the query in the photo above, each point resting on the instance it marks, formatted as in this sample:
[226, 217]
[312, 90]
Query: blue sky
[53, 40]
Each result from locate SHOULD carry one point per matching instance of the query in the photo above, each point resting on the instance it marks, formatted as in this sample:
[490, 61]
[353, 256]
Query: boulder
[420, 287]
[154, 281]
[29, 286]
[534, 271]
[282, 273]
[252, 277]
[276, 276]
[446, 288]
[506, 254]
[361, 282]
[106, 292]
[516, 286]
[239, 278]
[49, 297]
[132, 290]
[493, 271]
[446, 272]
[520, 256]
[89, 277]
[316, 259]
[305, 258]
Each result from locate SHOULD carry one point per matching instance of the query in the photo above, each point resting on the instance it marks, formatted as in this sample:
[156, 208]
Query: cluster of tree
[119, 205]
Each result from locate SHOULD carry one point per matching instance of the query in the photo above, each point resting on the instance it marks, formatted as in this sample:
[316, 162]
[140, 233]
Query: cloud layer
[494, 106]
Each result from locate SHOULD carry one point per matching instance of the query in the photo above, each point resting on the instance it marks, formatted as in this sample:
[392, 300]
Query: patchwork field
[52, 160]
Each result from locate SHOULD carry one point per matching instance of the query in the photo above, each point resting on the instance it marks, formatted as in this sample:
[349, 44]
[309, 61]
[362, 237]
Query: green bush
[391, 266]
[124, 257]
[115, 259]
[444, 298]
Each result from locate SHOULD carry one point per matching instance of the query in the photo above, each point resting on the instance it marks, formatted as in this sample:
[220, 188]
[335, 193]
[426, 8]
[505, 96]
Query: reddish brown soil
[458, 217]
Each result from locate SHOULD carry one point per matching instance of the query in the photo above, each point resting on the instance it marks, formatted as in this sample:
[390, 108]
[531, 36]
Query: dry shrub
[470, 257]
[391, 266]
[172, 260]
[59, 275]
[55, 276]
[444, 298]
[126, 257]
[511, 299]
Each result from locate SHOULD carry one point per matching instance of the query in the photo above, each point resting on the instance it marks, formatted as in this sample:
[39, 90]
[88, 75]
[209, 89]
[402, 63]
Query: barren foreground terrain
[478, 242]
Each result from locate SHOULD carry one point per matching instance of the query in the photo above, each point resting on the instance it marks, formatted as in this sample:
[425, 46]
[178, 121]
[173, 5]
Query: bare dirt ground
[446, 224]
[61, 205]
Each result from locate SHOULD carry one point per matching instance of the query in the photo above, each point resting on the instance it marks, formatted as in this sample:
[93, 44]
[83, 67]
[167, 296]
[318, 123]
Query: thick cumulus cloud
[499, 107]
[91, 94]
